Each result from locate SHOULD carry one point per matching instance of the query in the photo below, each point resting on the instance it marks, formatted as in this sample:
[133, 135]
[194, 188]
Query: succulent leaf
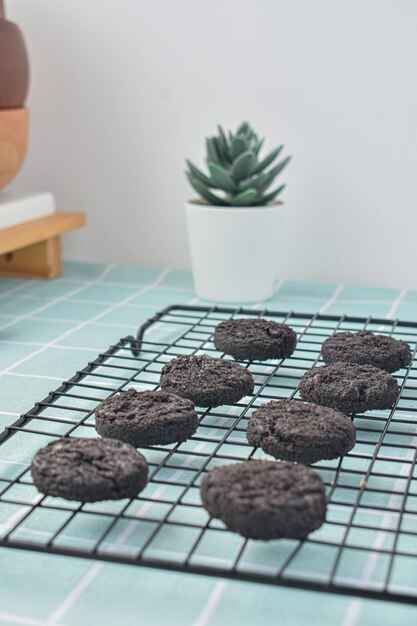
[270, 176]
[237, 147]
[243, 128]
[268, 160]
[258, 181]
[222, 143]
[212, 154]
[259, 145]
[280, 166]
[236, 169]
[271, 196]
[205, 192]
[223, 156]
[251, 139]
[243, 165]
[244, 198]
[220, 178]
[198, 174]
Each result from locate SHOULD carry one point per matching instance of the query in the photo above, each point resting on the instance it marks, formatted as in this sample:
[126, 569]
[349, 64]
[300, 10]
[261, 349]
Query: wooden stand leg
[40, 260]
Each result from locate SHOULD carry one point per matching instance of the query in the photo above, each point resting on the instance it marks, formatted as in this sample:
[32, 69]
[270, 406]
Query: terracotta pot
[14, 65]
[13, 142]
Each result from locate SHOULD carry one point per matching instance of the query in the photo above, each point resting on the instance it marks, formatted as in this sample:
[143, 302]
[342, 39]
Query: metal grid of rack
[368, 544]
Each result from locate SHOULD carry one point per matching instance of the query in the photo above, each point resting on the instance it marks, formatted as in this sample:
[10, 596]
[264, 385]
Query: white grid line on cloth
[165, 552]
[4, 526]
[62, 298]
[158, 288]
[69, 320]
[123, 283]
[211, 603]
[44, 343]
[22, 343]
[87, 301]
[33, 315]
[96, 568]
[8, 462]
[11, 618]
[40, 376]
[148, 306]
[352, 612]
[61, 347]
[261, 303]
[396, 304]
[74, 594]
[356, 604]
[81, 300]
[84, 323]
[6, 294]
[332, 299]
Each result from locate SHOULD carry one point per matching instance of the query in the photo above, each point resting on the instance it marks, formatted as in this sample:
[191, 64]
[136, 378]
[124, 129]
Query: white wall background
[122, 91]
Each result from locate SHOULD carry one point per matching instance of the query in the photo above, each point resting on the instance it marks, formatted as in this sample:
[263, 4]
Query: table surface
[51, 329]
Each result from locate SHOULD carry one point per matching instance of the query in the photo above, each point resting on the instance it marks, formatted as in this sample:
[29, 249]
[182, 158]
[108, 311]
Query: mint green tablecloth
[48, 330]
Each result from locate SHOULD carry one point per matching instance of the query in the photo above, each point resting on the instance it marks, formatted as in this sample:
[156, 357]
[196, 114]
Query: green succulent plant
[236, 170]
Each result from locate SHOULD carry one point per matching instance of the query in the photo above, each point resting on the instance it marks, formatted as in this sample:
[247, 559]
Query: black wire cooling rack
[368, 544]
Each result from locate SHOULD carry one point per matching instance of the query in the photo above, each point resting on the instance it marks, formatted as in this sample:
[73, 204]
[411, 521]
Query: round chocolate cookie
[301, 431]
[349, 387]
[364, 347]
[255, 339]
[89, 470]
[265, 499]
[205, 380]
[146, 418]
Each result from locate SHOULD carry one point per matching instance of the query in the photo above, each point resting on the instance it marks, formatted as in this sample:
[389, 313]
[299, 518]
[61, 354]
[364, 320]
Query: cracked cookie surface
[349, 387]
[265, 499]
[89, 470]
[300, 431]
[146, 418]
[365, 347]
[255, 339]
[205, 380]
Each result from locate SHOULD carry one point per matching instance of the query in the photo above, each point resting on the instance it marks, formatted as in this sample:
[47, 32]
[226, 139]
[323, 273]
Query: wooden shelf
[33, 249]
[22, 235]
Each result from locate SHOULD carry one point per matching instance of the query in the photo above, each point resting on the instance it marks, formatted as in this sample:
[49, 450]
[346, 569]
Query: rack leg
[40, 260]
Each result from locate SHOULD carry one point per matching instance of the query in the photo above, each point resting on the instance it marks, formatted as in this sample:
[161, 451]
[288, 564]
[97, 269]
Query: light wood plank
[23, 235]
[40, 260]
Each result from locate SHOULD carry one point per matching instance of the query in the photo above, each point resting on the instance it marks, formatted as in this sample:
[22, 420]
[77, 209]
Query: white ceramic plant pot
[235, 251]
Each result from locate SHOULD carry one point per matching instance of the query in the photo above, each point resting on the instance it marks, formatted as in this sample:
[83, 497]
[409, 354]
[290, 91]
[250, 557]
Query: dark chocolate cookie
[146, 418]
[255, 339]
[205, 380]
[265, 499]
[301, 431]
[349, 387]
[364, 347]
[89, 470]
